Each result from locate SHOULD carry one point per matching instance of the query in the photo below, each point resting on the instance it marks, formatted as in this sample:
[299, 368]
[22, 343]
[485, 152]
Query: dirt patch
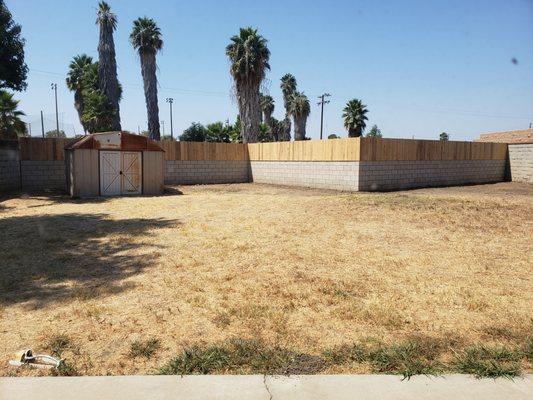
[305, 364]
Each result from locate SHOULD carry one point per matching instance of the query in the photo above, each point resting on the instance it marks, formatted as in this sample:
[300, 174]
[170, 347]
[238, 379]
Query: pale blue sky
[421, 67]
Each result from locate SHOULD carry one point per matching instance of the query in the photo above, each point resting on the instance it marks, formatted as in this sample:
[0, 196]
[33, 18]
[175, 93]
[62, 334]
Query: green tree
[13, 69]
[55, 134]
[444, 137]
[218, 132]
[288, 88]
[11, 124]
[333, 136]
[98, 113]
[300, 109]
[107, 63]
[194, 133]
[75, 79]
[146, 39]
[355, 118]
[249, 56]
[235, 130]
[264, 134]
[267, 107]
[374, 132]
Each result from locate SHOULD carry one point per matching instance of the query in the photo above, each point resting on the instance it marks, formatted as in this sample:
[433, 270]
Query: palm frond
[146, 36]
[249, 55]
[105, 16]
[299, 104]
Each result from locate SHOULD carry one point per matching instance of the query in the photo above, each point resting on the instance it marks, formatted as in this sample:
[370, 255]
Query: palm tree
[267, 106]
[355, 117]
[288, 88]
[11, 126]
[300, 109]
[107, 64]
[146, 39]
[249, 55]
[75, 79]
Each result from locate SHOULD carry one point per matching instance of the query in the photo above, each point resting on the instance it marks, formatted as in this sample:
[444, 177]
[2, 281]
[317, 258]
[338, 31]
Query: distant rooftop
[519, 136]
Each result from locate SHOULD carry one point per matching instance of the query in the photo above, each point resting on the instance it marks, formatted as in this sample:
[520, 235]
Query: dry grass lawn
[302, 269]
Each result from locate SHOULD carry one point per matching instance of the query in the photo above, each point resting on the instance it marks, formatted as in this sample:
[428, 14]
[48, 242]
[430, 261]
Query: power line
[137, 86]
[445, 110]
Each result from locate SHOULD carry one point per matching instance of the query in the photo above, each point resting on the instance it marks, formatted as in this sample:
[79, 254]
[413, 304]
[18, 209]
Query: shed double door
[120, 173]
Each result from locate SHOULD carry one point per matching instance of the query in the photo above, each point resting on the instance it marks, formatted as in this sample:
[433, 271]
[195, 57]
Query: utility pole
[163, 126]
[42, 122]
[54, 88]
[321, 104]
[29, 127]
[170, 100]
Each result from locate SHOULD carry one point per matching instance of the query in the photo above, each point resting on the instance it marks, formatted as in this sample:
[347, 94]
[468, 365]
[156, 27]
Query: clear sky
[421, 67]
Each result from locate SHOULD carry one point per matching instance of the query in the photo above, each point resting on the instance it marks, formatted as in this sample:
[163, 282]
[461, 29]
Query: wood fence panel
[200, 151]
[43, 149]
[306, 150]
[350, 149]
[376, 149]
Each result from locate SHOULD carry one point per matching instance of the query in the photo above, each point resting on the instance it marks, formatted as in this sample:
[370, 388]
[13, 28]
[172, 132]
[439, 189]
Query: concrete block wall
[205, 172]
[377, 175]
[9, 170]
[43, 175]
[337, 175]
[398, 175]
[521, 162]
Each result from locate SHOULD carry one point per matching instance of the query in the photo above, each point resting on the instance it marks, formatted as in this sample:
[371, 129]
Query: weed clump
[145, 348]
[408, 359]
[416, 356]
[58, 344]
[64, 369]
[488, 362]
[242, 356]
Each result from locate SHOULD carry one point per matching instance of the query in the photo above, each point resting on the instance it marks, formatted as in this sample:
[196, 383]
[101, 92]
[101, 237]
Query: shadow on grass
[52, 197]
[53, 257]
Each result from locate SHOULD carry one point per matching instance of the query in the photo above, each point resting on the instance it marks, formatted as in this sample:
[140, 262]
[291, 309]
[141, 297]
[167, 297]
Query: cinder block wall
[377, 175]
[521, 162]
[43, 175]
[337, 175]
[205, 172]
[398, 175]
[9, 170]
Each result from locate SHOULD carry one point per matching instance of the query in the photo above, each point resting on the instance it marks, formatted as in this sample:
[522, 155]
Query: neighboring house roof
[116, 140]
[518, 136]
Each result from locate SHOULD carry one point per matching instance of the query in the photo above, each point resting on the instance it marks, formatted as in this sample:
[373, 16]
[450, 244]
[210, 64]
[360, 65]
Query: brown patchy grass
[303, 270]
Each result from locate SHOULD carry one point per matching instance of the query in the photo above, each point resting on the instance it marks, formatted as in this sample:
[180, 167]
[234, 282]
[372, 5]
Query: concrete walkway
[338, 387]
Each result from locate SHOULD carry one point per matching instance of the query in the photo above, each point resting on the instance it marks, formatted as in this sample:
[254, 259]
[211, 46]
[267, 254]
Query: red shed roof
[116, 141]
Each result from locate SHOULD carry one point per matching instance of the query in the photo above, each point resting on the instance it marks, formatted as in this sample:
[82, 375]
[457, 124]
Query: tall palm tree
[300, 109]
[146, 39]
[11, 126]
[107, 64]
[249, 55]
[267, 106]
[75, 79]
[288, 88]
[355, 118]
